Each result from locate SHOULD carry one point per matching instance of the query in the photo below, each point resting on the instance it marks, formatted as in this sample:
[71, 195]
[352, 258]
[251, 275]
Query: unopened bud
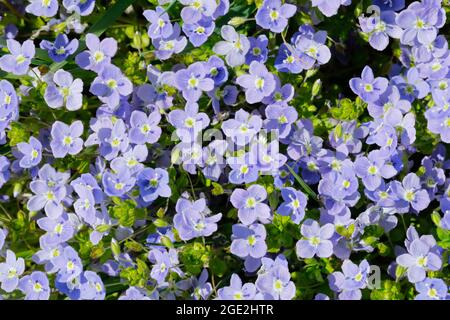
[115, 247]
[316, 87]
[17, 189]
[237, 21]
[166, 242]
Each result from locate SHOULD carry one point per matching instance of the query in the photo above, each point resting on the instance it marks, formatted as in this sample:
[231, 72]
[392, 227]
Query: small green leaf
[400, 271]
[103, 228]
[124, 211]
[17, 134]
[346, 231]
[217, 189]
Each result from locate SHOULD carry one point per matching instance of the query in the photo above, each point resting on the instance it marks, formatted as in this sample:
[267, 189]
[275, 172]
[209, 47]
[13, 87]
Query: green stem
[303, 184]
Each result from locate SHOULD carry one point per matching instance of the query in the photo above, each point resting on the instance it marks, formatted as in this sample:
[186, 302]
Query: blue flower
[69, 265]
[119, 183]
[432, 289]
[368, 87]
[192, 219]
[250, 204]
[160, 26]
[35, 286]
[61, 48]
[248, 242]
[316, 240]
[47, 8]
[19, 58]
[237, 290]
[99, 53]
[29, 154]
[64, 91]
[193, 81]
[66, 139]
[153, 183]
[10, 270]
[419, 260]
[351, 280]
[82, 7]
[294, 204]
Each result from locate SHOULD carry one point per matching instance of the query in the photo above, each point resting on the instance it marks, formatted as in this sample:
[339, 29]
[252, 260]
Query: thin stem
[192, 186]
[6, 212]
[404, 223]
[213, 283]
[135, 234]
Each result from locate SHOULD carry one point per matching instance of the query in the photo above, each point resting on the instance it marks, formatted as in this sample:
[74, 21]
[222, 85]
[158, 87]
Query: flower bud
[237, 21]
[316, 87]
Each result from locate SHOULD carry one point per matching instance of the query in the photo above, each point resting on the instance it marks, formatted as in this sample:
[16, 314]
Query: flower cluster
[203, 149]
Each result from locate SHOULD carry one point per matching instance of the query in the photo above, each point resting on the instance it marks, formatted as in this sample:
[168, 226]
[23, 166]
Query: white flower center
[145, 128]
[12, 272]
[37, 287]
[410, 195]
[67, 140]
[99, 56]
[274, 14]
[250, 202]
[193, 82]
[259, 83]
[20, 59]
[368, 87]
[251, 240]
[372, 170]
[59, 228]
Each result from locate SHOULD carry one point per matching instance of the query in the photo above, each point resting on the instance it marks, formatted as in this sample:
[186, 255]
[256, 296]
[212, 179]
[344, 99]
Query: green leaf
[338, 131]
[383, 249]
[116, 200]
[274, 200]
[346, 231]
[97, 252]
[370, 240]
[218, 266]
[348, 110]
[17, 134]
[217, 189]
[444, 236]
[389, 290]
[124, 211]
[136, 276]
[194, 256]
[400, 271]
